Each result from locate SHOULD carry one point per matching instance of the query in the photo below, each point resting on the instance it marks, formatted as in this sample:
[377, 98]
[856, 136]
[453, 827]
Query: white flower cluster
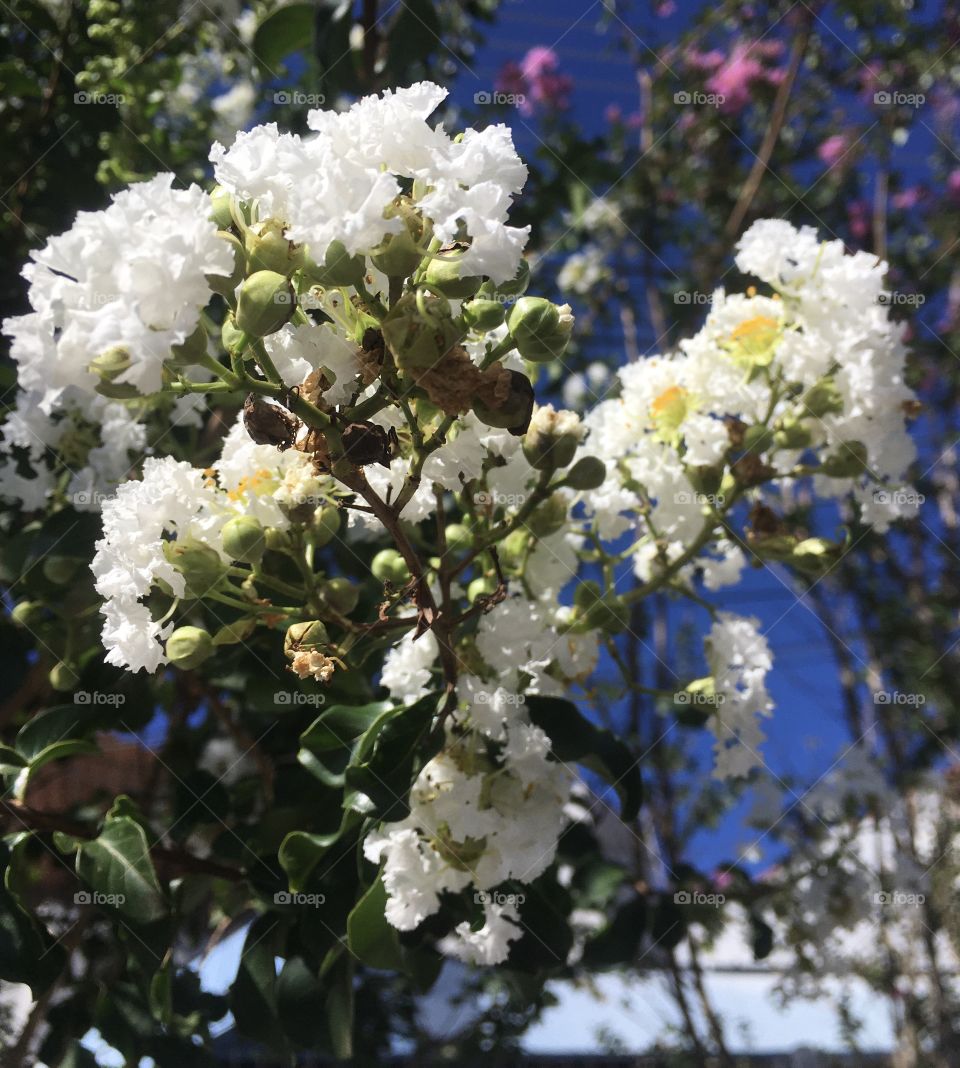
[341, 183]
[819, 363]
[177, 504]
[129, 280]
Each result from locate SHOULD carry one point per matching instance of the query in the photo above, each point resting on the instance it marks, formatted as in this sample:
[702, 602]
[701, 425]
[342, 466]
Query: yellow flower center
[251, 484]
[669, 410]
[753, 340]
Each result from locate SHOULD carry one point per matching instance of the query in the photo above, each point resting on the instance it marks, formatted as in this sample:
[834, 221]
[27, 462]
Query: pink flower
[858, 218]
[737, 74]
[833, 150]
[907, 198]
[536, 81]
[953, 184]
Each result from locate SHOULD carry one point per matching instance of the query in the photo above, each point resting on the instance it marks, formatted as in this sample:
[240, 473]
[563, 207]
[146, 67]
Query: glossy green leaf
[286, 30]
[370, 938]
[117, 865]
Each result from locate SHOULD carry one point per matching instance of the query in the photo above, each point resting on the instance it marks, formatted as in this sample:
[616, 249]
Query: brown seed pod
[268, 423]
[368, 443]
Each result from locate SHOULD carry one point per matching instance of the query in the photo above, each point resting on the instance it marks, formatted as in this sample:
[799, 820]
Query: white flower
[490, 944]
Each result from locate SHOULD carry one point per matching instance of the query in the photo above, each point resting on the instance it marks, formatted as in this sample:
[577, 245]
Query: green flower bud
[401, 252]
[232, 337]
[28, 614]
[226, 284]
[111, 364]
[482, 315]
[416, 341]
[232, 633]
[815, 555]
[757, 438]
[201, 566]
[516, 287]
[552, 438]
[244, 539]
[266, 302]
[458, 538]
[549, 517]
[706, 479]
[268, 250]
[389, 566]
[60, 569]
[338, 268]
[444, 274]
[325, 525]
[341, 595]
[514, 414]
[311, 634]
[481, 587]
[586, 474]
[848, 461]
[792, 435]
[610, 614]
[513, 547]
[63, 677]
[278, 541]
[822, 399]
[540, 328]
[188, 647]
[220, 207]
[192, 350]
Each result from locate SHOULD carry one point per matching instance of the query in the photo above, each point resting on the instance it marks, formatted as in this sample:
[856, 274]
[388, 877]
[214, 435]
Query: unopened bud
[549, 517]
[325, 525]
[233, 338]
[389, 566]
[515, 412]
[444, 274]
[243, 539]
[220, 207]
[482, 315]
[201, 566]
[338, 268]
[60, 569]
[27, 614]
[540, 328]
[848, 461]
[111, 364]
[586, 474]
[401, 252]
[822, 399]
[311, 634]
[188, 647]
[341, 595]
[63, 677]
[552, 438]
[457, 537]
[266, 302]
[269, 250]
[416, 341]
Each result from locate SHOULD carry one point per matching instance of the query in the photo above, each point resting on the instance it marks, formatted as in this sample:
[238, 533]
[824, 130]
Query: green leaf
[253, 996]
[61, 723]
[161, 994]
[339, 982]
[300, 1002]
[287, 30]
[339, 726]
[576, 740]
[369, 937]
[412, 36]
[117, 864]
[300, 852]
[10, 760]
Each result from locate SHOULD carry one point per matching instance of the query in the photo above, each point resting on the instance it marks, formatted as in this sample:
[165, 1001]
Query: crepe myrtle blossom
[396, 512]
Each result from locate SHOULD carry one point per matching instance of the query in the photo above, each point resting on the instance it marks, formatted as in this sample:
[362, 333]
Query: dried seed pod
[268, 423]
